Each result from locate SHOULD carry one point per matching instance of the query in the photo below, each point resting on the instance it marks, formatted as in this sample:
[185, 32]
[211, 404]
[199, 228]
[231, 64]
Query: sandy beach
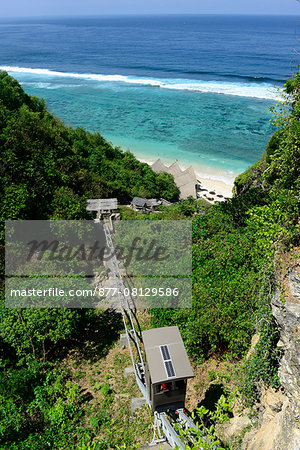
[207, 184]
[218, 186]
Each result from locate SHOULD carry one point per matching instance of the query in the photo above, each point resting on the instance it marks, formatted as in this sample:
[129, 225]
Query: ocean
[197, 89]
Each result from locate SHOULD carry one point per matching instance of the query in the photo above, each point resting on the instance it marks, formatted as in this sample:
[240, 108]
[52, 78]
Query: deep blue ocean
[193, 88]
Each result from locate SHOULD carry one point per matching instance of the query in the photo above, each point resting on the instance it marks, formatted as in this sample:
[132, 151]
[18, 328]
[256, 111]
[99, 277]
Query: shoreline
[207, 182]
[218, 186]
[210, 180]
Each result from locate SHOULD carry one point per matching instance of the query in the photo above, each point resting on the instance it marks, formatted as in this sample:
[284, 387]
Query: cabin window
[180, 384]
[168, 387]
[163, 388]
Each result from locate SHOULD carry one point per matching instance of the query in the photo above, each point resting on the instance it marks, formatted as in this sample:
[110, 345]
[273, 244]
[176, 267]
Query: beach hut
[191, 171]
[144, 204]
[187, 190]
[174, 169]
[138, 203]
[186, 184]
[167, 368]
[159, 166]
[152, 203]
[185, 180]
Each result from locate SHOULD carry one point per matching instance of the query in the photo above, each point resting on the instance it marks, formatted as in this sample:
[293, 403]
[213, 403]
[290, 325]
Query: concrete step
[137, 403]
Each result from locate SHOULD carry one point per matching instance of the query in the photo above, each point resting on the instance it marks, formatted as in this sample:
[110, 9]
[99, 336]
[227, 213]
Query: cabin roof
[138, 201]
[185, 178]
[187, 190]
[153, 340]
[142, 202]
[152, 202]
[191, 171]
[174, 169]
[98, 204]
[159, 166]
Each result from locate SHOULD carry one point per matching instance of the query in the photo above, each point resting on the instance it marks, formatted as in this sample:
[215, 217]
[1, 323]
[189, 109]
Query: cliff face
[253, 177]
[288, 319]
[287, 315]
[280, 411]
[273, 186]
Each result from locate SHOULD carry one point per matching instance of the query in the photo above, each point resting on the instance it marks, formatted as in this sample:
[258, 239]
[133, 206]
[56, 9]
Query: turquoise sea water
[219, 134]
[193, 89]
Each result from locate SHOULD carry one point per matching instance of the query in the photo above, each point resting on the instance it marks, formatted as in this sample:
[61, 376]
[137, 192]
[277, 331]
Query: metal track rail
[162, 424]
[126, 309]
[171, 435]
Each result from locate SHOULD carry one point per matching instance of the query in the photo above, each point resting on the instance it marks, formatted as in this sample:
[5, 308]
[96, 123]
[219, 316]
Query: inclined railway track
[168, 423]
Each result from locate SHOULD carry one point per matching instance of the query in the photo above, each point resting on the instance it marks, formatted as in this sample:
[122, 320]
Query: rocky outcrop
[253, 178]
[277, 425]
[229, 432]
[250, 179]
[280, 411]
[287, 315]
[269, 435]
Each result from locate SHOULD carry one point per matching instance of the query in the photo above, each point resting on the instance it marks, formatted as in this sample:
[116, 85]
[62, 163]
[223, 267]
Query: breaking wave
[262, 90]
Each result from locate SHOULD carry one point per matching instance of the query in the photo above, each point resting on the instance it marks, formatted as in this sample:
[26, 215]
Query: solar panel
[167, 361]
[165, 352]
[170, 369]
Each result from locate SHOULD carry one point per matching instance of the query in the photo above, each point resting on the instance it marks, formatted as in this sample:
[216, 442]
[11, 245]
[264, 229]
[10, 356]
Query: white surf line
[252, 90]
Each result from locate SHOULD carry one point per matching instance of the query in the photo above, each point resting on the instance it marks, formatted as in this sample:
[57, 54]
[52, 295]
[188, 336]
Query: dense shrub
[234, 247]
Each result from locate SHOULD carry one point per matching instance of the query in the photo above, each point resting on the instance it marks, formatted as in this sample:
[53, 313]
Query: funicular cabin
[167, 368]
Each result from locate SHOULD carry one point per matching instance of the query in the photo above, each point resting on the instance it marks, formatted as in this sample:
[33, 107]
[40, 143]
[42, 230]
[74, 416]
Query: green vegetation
[185, 209]
[48, 170]
[235, 252]
[34, 398]
[204, 435]
[262, 365]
